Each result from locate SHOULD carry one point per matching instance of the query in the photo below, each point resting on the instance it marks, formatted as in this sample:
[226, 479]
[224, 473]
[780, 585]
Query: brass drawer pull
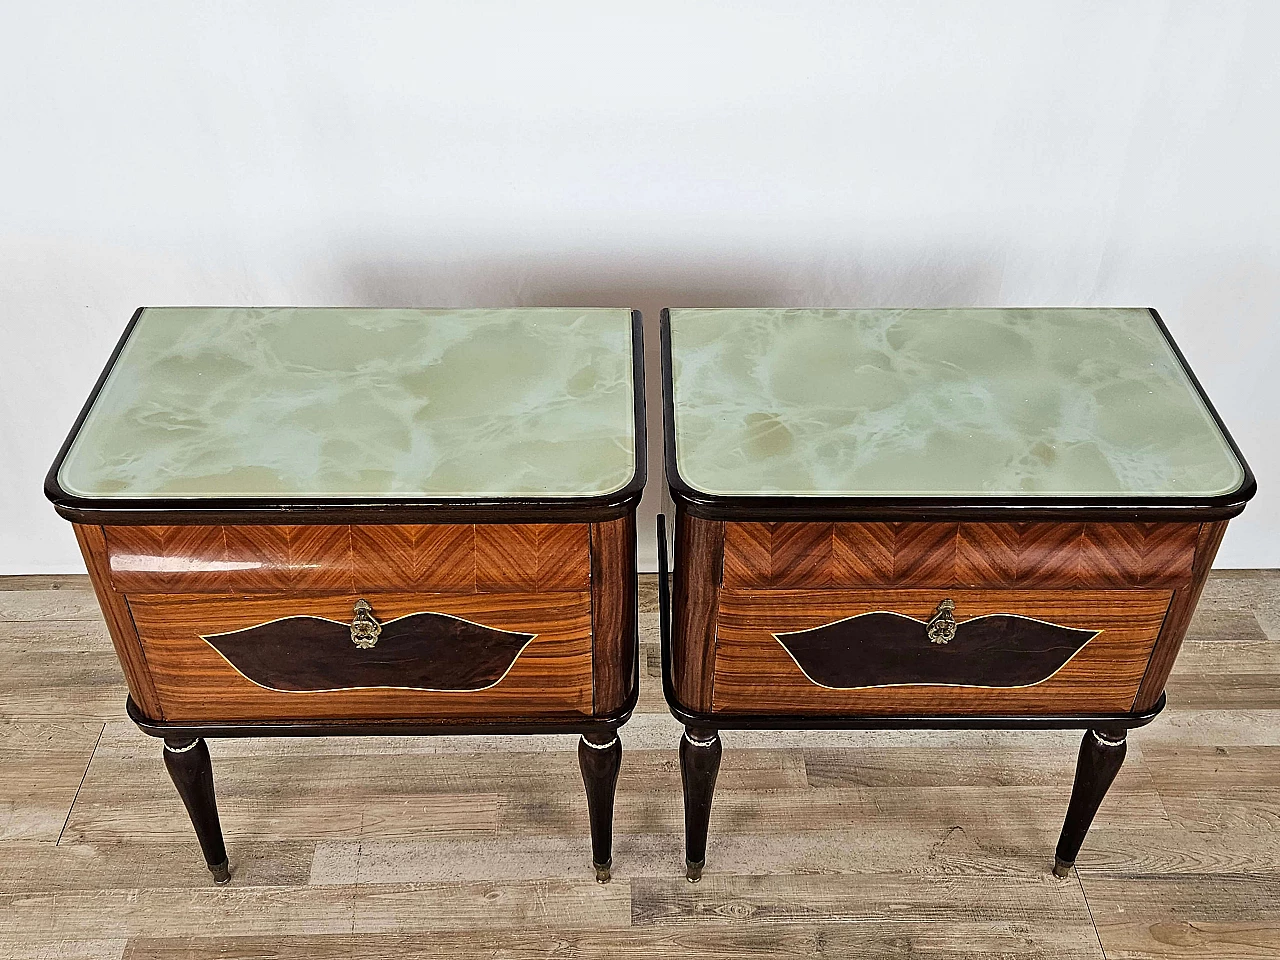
[941, 627]
[365, 629]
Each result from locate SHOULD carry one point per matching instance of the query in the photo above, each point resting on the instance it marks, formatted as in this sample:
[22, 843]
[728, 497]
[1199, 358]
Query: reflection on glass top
[1084, 402]
[308, 402]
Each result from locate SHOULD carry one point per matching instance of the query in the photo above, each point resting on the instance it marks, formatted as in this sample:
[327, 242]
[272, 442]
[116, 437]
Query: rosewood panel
[754, 673]
[124, 634]
[287, 559]
[564, 556]
[532, 557]
[161, 559]
[1178, 620]
[879, 649]
[613, 611]
[773, 554]
[551, 677]
[695, 603]
[1019, 555]
[427, 558]
[319, 558]
[423, 651]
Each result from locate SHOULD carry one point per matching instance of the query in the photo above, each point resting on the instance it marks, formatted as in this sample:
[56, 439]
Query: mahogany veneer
[322, 558]
[755, 672]
[194, 682]
[171, 587]
[739, 583]
[1062, 555]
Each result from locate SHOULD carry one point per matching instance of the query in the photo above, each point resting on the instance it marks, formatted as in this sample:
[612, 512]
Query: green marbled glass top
[1085, 402]
[302, 402]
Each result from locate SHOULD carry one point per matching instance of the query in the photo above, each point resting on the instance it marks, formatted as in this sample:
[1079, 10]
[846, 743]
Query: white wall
[642, 155]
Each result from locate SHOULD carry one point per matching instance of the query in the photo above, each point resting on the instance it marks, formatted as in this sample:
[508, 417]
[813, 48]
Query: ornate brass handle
[365, 629]
[941, 627]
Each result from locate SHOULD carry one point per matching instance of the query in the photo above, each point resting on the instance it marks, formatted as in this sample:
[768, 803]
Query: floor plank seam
[72, 805]
[1089, 908]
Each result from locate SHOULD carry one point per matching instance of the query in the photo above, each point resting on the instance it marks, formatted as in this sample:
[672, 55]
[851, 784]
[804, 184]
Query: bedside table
[933, 519]
[306, 522]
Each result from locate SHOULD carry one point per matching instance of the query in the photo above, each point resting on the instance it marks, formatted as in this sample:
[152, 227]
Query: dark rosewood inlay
[423, 651]
[877, 649]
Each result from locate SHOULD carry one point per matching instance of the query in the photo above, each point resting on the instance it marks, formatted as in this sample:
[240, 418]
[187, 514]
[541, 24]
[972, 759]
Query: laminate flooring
[823, 844]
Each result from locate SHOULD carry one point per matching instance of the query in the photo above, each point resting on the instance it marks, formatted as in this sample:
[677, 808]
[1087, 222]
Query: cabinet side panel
[698, 572]
[1178, 619]
[613, 611]
[124, 633]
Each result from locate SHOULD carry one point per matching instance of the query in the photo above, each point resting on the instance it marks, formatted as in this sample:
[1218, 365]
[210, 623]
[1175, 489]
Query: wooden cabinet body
[831, 618]
[242, 622]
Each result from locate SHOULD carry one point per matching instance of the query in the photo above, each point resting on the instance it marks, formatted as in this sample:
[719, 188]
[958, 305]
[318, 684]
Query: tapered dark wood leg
[600, 757]
[188, 764]
[699, 764]
[1101, 754]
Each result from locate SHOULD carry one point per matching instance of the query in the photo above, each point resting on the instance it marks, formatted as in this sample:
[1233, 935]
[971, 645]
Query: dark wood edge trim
[267, 510]
[383, 728]
[1178, 617]
[993, 509]
[118, 617]
[729, 721]
[1248, 483]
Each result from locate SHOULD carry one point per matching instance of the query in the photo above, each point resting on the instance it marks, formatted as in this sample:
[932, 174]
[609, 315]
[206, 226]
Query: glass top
[1068, 402]
[345, 403]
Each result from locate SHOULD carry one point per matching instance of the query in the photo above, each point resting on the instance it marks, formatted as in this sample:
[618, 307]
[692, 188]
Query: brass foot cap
[693, 870]
[603, 874]
[1062, 868]
[221, 872]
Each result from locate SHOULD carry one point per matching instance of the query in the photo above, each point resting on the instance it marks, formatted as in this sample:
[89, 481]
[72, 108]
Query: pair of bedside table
[325, 521]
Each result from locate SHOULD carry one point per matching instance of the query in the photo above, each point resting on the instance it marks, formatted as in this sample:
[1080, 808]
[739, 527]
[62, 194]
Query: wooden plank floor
[886, 844]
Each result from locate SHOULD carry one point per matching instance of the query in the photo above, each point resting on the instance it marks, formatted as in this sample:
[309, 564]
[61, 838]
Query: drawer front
[403, 656]
[1006, 555]
[872, 651]
[329, 558]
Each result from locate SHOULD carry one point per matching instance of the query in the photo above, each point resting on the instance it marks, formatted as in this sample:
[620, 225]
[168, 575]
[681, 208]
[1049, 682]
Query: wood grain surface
[551, 677]
[754, 673]
[905, 845]
[119, 621]
[613, 611]
[1183, 607]
[699, 561]
[1051, 555]
[318, 558]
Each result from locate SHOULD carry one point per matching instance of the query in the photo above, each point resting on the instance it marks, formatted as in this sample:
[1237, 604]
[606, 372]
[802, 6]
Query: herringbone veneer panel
[161, 558]
[434, 558]
[263, 559]
[747, 554]
[564, 557]
[1084, 555]
[532, 557]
